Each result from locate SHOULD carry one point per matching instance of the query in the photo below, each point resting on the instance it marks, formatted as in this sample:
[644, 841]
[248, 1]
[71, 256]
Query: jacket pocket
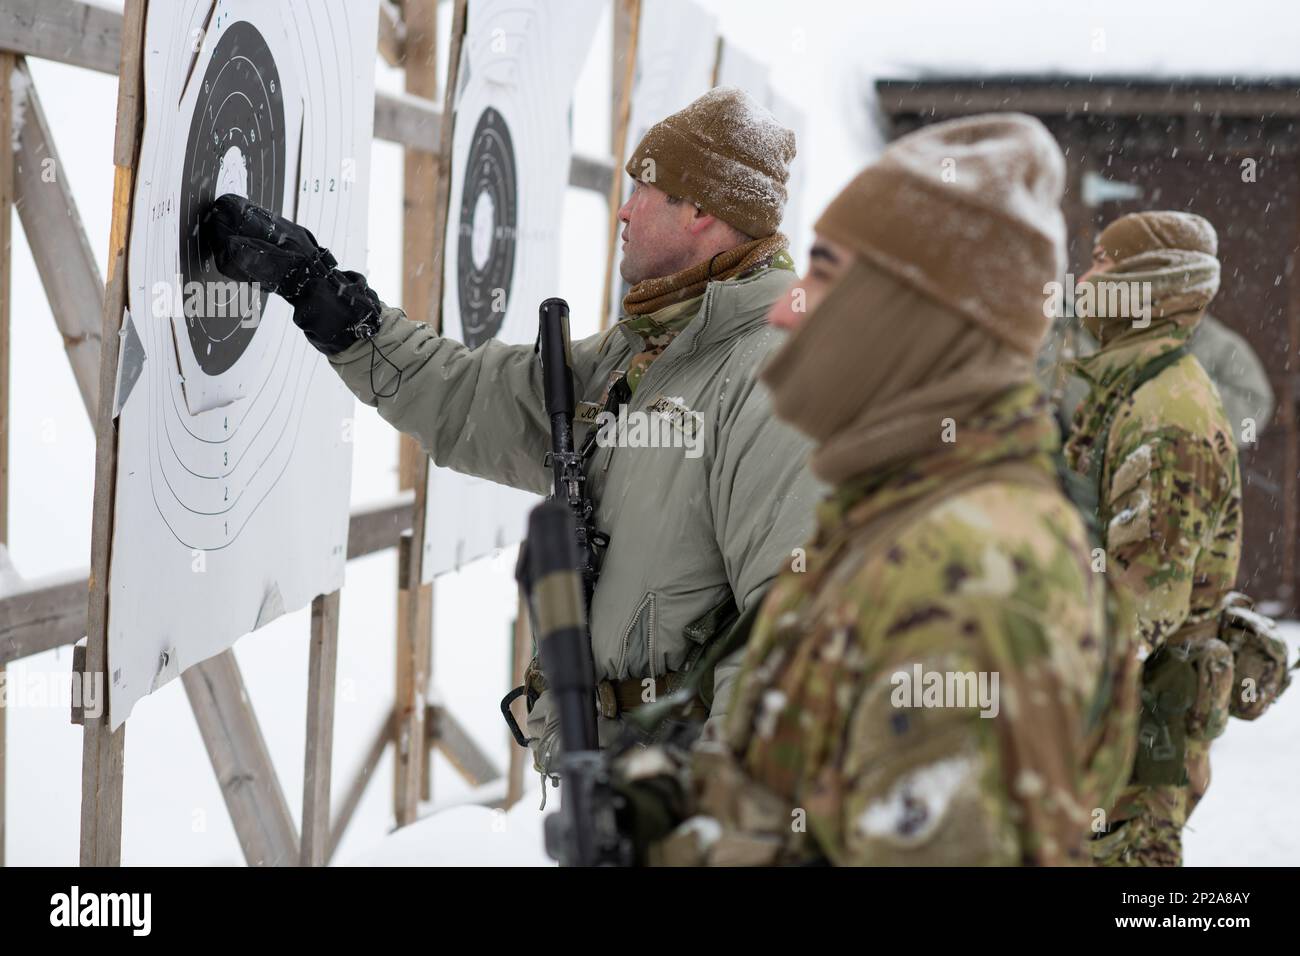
[1131, 504]
[640, 634]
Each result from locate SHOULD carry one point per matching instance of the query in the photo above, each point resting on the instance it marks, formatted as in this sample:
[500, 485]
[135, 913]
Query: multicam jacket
[966, 564]
[1170, 508]
[1170, 504]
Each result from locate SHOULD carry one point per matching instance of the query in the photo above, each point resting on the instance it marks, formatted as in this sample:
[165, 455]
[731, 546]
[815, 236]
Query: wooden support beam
[414, 636]
[626, 25]
[48, 613]
[379, 526]
[454, 742]
[72, 31]
[379, 742]
[51, 612]
[407, 120]
[392, 34]
[64, 260]
[426, 186]
[521, 652]
[1289, 413]
[79, 34]
[323, 661]
[596, 175]
[103, 749]
[242, 763]
[7, 66]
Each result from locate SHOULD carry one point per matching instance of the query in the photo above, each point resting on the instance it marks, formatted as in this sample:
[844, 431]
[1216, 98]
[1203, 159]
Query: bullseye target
[236, 144]
[510, 156]
[489, 217]
[234, 455]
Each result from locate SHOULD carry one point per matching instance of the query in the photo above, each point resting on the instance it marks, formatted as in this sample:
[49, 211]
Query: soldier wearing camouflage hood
[1153, 439]
[695, 534]
[941, 684]
[1225, 354]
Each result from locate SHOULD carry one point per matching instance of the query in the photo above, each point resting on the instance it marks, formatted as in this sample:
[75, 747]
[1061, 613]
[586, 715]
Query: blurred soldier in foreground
[1153, 438]
[942, 684]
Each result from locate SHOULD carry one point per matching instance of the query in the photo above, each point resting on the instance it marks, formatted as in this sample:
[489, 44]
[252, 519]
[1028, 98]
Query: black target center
[489, 217]
[236, 140]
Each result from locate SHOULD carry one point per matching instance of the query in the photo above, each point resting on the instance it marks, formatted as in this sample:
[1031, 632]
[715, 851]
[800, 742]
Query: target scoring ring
[236, 138]
[488, 229]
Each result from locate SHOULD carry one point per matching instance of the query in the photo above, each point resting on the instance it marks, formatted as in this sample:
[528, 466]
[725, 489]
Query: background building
[1227, 150]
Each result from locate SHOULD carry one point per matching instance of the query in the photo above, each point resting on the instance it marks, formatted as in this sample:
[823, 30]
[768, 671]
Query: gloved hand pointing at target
[252, 244]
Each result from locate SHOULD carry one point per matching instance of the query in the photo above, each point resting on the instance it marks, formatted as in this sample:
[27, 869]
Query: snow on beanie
[724, 153]
[1140, 232]
[968, 213]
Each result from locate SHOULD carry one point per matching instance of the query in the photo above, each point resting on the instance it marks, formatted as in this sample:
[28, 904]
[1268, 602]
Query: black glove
[252, 244]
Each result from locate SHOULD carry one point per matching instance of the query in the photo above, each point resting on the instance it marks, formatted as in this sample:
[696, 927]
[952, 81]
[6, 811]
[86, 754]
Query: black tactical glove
[252, 244]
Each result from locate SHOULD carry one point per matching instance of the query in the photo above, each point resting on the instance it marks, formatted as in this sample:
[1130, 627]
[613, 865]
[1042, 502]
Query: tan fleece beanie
[1140, 232]
[1165, 257]
[725, 153]
[968, 213]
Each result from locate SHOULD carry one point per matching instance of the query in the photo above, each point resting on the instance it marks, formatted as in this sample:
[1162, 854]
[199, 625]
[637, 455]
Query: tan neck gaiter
[877, 371]
[1176, 285]
[651, 295]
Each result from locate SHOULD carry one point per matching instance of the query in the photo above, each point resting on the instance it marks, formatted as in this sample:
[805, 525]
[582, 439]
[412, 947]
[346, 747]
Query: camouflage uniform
[969, 560]
[1226, 356]
[1171, 517]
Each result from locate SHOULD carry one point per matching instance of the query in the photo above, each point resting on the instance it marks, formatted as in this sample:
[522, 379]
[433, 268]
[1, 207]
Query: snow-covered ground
[1246, 818]
[824, 56]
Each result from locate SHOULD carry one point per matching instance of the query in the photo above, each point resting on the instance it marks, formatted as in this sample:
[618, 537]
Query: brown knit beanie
[1140, 232]
[725, 153]
[968, 213]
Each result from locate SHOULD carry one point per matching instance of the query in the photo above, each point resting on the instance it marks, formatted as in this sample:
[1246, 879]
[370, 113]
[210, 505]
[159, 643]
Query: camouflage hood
[1164, 268]
[1016, 426]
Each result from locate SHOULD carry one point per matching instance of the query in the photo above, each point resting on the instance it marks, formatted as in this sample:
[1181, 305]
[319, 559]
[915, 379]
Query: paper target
[673, 68]
[793, 118]
[489, 218]
[236, 145]
[234, 461]
[510, 169]
[738, 68]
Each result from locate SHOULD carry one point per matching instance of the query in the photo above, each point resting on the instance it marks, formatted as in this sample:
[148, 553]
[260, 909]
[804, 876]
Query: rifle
[585, 830]
[565, 462]
[570, 480]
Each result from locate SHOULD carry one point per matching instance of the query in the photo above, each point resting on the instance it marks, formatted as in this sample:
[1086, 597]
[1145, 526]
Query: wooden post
[421, 288]
[241, 761]
[360, 778]
[64, 259]
[320, 730]
[103, 749]
[1287, 420]
[521, 654]
[627, 19]
[6, 237]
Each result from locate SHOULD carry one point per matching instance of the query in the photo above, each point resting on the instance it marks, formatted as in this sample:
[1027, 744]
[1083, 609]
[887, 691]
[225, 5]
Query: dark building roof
[956, 94]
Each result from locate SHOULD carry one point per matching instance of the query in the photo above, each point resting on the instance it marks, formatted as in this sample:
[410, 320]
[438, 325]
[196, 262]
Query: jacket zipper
[650, 635]
[648, 606]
